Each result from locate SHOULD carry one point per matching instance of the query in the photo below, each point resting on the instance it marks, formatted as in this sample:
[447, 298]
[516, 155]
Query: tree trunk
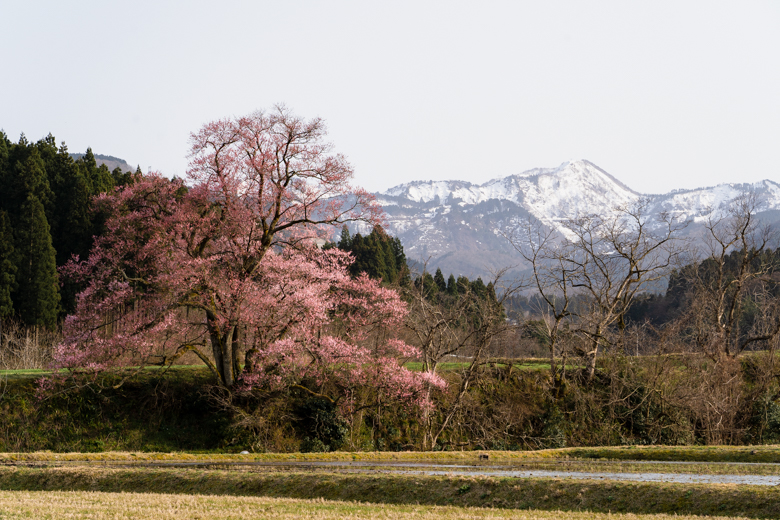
[593, 354]
[222, 350]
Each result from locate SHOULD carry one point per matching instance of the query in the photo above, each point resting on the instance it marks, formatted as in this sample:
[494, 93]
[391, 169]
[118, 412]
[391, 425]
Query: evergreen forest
[46, 217]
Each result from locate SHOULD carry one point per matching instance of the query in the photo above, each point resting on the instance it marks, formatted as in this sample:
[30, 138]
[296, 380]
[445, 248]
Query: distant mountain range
[457, 226]
[110, 161]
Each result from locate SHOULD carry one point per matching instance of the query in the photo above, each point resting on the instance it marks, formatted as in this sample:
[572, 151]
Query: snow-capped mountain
[459, 226]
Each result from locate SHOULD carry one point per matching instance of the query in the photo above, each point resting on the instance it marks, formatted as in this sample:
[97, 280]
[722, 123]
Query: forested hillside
[45, 218]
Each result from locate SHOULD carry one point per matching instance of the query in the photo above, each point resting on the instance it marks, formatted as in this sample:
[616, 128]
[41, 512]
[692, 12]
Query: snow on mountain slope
[698, 204]
[458, 225]
[573, 188]
[544, 188]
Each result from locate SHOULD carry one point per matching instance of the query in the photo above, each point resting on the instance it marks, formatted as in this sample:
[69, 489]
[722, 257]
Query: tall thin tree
[37, 295]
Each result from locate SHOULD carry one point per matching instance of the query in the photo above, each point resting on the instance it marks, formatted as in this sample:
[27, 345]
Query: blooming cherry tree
[226, 266]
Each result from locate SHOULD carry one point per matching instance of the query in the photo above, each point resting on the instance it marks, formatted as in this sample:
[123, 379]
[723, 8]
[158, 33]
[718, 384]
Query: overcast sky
[662, 95]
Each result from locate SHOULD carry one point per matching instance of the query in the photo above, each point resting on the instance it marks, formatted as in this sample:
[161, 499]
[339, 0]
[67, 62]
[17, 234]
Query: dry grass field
[67, 505]
[382, 490]
[119, 485]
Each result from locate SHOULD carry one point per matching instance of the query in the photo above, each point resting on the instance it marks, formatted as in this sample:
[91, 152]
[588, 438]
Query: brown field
[142, 506]
[407, 494]
[119, 485]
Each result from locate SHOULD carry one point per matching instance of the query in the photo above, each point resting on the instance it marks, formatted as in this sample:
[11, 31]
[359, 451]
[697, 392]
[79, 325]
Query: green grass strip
[763, 454]
[538, 494]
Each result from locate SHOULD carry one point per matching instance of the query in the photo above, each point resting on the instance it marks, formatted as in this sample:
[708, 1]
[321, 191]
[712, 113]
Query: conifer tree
[345, 242]
[5, 144]
[98, 178]
[404, 276]
[104, 182]
[121, 178]
[375, 257]
[7, 266]
[37, 296]
[429, 285]
[357, 248]
[463, 284]
[452, 285]
[369, 256]
[388, 257]
[28, 176]
[377, 254]
[76, 227]
[478, 286]
[438, 279]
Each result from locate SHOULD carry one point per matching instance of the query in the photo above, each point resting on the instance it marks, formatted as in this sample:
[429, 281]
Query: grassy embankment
[730, 454]
[159, 410]
[506, 409]
[521, 364]
[154, 412]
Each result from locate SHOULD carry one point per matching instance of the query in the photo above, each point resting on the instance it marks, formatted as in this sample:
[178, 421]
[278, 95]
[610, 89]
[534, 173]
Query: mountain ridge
[110, 161]
[458, 225]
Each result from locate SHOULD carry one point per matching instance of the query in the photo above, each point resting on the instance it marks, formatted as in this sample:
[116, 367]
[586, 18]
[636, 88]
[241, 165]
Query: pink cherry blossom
[226, 267]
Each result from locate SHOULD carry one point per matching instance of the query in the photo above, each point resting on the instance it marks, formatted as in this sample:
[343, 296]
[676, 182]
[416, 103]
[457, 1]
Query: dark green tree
[430, 288]
[378, 255]
[99, 178]
[345, 242]
[37, 296]
[404, 276]
[66, 189]
[373, 255]
[77, 224]
[26, 176]
[386, 243]
[452, 285]
[5, 146]
[438, 279]
[7, 266]
[121, 178]
[478, 286]
[361, 250]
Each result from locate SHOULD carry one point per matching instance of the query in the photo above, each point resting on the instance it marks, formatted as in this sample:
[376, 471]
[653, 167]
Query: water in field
[491, 470]
[508, 471]
[683, 478]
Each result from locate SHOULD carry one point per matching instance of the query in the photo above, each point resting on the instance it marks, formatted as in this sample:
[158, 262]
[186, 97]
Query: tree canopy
[377, 254]
[227, 267]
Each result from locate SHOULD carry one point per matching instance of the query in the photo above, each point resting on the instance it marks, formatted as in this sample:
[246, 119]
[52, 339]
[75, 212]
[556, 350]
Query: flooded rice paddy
[760, 474]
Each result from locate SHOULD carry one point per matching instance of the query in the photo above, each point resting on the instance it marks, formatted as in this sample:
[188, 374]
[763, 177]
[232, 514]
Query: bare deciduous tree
[23, 347]
[607, 260]
[460, 326]
[737, 274]
[551, 278]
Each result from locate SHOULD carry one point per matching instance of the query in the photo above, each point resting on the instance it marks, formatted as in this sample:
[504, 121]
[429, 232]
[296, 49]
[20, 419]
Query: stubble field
[153, 506]
[177, 485]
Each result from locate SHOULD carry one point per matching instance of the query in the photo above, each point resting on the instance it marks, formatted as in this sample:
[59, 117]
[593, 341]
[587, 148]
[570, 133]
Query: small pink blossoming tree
[228, 269]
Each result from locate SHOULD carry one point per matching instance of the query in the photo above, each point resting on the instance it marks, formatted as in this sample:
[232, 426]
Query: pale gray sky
[661, 94]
